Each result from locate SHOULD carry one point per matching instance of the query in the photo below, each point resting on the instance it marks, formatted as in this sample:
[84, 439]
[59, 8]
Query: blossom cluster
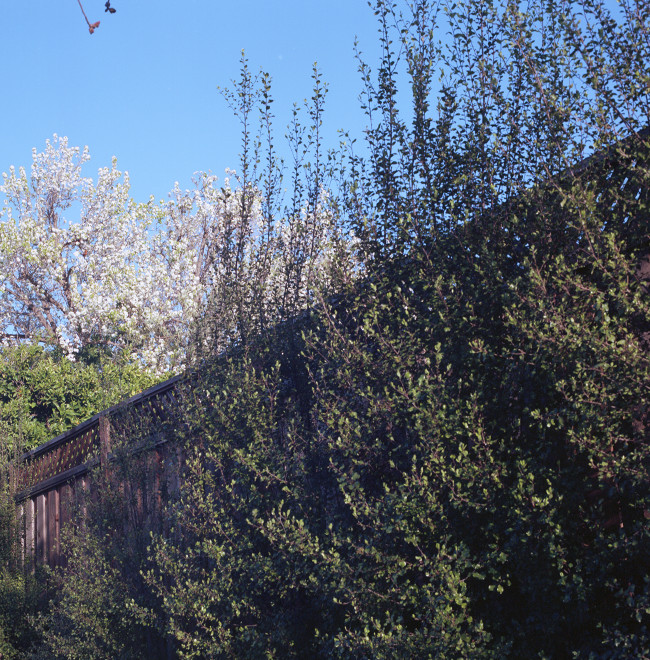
[85, 264]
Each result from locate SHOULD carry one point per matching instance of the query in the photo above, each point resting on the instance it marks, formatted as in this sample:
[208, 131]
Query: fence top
[81, 428]
[592, 162]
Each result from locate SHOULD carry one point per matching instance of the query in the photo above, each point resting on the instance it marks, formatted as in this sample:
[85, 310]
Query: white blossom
[83, 263]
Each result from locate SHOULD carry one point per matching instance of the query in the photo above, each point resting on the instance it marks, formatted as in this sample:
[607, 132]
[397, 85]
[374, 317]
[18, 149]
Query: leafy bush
[452, 463]
[20, 593]
[99, 606]
[43, 393]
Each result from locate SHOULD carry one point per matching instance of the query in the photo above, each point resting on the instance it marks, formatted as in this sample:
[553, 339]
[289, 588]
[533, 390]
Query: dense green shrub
[42, 393]
[20, 594]
[465, 474]
[454, 463]
[99, 605]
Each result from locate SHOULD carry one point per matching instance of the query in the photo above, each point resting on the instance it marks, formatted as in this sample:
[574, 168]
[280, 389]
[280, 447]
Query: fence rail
[47, 477]
[77, 450]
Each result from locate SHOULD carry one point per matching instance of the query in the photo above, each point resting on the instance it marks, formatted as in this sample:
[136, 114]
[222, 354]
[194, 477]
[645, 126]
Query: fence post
[104, 440]
[41, 528]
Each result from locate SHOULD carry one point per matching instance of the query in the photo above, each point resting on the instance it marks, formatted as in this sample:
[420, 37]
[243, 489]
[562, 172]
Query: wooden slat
[30, 529]
[104, 440]
[20, 518]
[53, 527]
[66, 504]
[41, 528]
[84, 489]
[156, 464]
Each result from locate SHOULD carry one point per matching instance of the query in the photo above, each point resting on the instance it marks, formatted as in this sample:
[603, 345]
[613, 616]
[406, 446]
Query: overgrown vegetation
[449, 457]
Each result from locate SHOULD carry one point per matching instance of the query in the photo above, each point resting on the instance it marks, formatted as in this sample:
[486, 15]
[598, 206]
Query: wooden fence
[50, 479]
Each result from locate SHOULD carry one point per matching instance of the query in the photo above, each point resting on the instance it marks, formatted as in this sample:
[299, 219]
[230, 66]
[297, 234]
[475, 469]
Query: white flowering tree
[85, 265]
[117, 275]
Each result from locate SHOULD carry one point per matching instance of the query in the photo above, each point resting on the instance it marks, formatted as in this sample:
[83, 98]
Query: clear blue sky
[143, 87]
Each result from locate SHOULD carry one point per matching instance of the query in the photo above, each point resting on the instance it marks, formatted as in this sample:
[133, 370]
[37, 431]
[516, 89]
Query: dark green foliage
[19, 598]
[43, 394]
[464, 474]
[100, 606]
[20, 594]
[475, 101]
[89, 617]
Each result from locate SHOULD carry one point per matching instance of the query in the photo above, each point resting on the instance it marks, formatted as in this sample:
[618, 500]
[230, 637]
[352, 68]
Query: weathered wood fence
[50, 478]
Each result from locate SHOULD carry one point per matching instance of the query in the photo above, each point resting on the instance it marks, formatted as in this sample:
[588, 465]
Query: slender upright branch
[91, 26]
